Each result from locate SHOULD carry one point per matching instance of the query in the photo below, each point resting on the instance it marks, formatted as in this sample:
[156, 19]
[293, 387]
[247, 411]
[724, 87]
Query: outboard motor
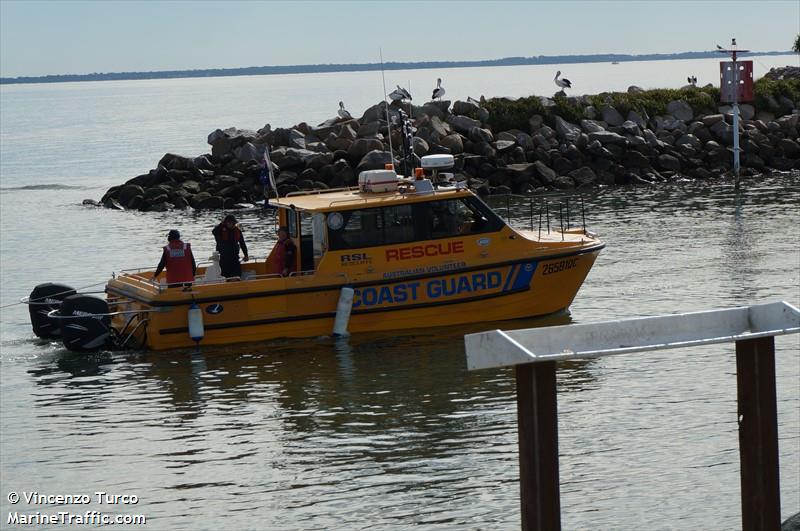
[85, 327]
[43, 299]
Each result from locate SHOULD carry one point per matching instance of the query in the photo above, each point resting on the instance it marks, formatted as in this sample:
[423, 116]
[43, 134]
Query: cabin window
[456, 217]
[318, 231]
[291, 222]
[411, 222]
[358, 228]
[399, 224]
[480, 218]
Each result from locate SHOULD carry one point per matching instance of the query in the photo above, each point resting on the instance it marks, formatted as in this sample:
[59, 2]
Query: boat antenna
[388, 122]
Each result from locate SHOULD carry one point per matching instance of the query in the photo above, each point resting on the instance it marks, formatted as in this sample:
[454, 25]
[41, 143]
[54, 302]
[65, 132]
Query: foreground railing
[534, 353]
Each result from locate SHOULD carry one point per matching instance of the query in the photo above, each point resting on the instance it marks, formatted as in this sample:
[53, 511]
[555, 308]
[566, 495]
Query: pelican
[563, 82]
[438, 92]
[343, 113]
[399, 94]
[692, 80]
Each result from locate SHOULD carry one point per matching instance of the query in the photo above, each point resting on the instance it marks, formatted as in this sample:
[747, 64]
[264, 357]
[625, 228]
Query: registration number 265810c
[557, 267]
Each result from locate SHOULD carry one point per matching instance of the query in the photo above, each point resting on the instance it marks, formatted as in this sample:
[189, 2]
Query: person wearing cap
[229, 238]
[178, 259]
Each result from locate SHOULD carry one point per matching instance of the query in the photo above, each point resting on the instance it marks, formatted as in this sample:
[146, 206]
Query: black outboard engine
[85, 327]
[43, 299]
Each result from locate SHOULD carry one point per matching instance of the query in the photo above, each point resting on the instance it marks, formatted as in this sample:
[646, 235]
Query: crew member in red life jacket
[229, 238]
[179, 261]
[285, 254]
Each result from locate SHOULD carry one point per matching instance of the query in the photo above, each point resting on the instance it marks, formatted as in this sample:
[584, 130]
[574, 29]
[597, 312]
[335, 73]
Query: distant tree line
[319, 68]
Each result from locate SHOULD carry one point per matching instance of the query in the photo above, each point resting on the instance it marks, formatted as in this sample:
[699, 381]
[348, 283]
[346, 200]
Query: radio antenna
[388, 122]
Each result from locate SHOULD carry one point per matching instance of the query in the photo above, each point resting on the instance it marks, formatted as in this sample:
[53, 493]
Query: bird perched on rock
[692, 80]
[343, 113]
[438, 92]
[400, 94]
[563, 82]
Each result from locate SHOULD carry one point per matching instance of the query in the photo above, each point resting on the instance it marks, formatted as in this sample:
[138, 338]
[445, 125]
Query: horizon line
[361, 67]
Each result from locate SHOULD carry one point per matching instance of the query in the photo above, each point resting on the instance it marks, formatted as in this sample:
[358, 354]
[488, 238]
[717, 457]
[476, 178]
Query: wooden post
[758, 433]
[537, 418]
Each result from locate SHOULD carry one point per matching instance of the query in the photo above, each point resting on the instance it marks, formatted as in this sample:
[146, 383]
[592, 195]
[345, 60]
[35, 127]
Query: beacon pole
[734, 87]
[735, 119]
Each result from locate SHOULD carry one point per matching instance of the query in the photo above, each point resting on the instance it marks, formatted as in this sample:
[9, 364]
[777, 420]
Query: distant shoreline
[366, 67]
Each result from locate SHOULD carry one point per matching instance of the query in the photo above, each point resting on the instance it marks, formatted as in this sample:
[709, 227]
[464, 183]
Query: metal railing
[539, 208]
[534, 353]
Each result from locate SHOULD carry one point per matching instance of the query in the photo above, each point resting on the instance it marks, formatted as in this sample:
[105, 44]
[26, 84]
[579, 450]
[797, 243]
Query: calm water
[377, 431]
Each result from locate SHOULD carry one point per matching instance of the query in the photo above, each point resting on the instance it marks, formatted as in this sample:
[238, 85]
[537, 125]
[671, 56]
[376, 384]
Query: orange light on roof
[419, 173]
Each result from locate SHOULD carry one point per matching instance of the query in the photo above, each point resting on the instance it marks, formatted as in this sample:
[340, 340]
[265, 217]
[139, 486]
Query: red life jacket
[280, 258]
[226, 234]
[179, 262]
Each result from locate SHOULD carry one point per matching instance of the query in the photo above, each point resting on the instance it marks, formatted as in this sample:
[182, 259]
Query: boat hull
[301, 306]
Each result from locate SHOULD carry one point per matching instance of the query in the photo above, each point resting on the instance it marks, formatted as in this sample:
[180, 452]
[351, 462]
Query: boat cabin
[350, 223]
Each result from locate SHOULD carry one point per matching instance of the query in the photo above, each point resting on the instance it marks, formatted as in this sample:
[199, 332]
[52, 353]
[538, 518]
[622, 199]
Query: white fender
[195, 315]
[343, 311]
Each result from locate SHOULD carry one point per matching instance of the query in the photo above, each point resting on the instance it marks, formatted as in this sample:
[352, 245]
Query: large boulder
[607, 138]
[630, 128]
[566, 130]
[362, 146]
[478, 134]
[583, 176]
[680, 110]
[248, 152]
[634, 159]
[689, 140]
[128, 192]
[454, 143]
[711, 119]
[668, 162]
[343, 174]
[462, 124]
[592, 126]
[441, 128]
[564, 182]
[420, 147]
[376, 160]
[224, 142]
[378, 112]
[638, 119]
[611, 116]
[176, 162]
[545, 174]
[473, 110]
[722, 132]
[790, 148]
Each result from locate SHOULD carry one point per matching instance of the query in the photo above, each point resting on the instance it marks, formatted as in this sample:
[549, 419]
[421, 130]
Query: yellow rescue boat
[392, 254]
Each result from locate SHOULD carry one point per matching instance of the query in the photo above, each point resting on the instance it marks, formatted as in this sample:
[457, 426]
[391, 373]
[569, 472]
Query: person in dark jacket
[229, 238]
[177, 257]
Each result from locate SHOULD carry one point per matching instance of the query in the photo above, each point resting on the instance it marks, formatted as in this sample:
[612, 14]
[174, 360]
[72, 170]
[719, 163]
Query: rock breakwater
[500, 145]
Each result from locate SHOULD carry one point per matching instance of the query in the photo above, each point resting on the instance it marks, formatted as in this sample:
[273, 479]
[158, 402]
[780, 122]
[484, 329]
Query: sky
[79, 37]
